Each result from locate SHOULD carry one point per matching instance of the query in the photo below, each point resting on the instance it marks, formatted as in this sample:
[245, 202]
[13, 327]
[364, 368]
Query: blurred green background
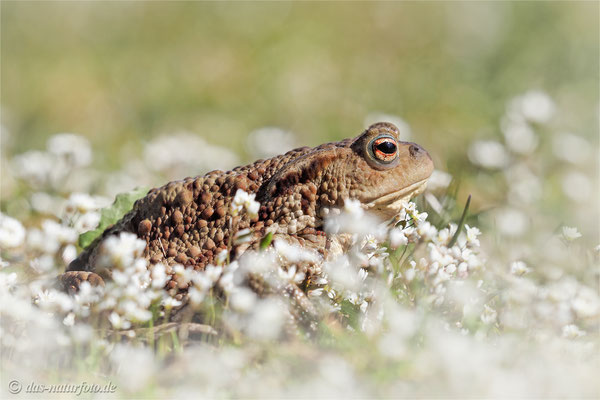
[121, 73]
[127, 70]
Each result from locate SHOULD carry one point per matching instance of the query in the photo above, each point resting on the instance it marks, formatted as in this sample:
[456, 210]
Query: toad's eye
[384, 149]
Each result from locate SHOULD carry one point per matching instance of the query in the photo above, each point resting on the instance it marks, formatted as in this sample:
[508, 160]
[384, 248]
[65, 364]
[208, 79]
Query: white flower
[42, 264]
[570, 233]
[266, 320]
[135, 365]
[370, 245]
[524, 186]
[243, 200]
[120, 251]
[407, 208]
[519, 268]
[253, 207]
[572, 148]
[410, 274]
[294, 253]
[228, 280]
[44, 203]
[221, 257]
[83, 203]
[343, 273]
[37, 240]
[290, 275]
[425, 229]
[488, 154]
[319, 280]
[183, 275]
[196, 295]
[362, 274]
[242, 236]
[353, 207]
[489, 315]
[86, 222]
[586, 303]
[170, 302]
[472, 233]
[438, 180]
[243, 300]
[577, 186]
[450, 268]
[536, 106]
[141, 314]
[416, 216]
[519, 136]
[443, 237]
[237, 205]
[572, 331]
[87, 293]
[60, 233]
[202, 282]
[76, 149]
[69, 320]
[397, 238]
[8, 281]
[463, 269]
[213, 273]
[12, 232]
[353, 220]
[159, 276]
[511, 221]
[35, 167]
[69, 254]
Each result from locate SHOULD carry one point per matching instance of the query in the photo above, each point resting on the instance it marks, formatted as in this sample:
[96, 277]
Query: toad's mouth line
[395, 199]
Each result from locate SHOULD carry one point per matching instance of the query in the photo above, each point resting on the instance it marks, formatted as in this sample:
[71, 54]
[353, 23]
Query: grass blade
[461, 223]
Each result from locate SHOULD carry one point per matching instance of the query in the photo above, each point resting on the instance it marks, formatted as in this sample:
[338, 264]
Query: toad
[190, 221]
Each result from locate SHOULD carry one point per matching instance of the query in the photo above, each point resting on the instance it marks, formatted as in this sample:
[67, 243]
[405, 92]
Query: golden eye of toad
[385, 149]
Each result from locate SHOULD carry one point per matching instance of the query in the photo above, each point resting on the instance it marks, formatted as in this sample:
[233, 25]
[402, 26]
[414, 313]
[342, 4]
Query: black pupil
[387, 147]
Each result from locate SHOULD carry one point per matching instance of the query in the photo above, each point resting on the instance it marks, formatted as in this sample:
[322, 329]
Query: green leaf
[266, 241]
[111, 214]
[352, 312]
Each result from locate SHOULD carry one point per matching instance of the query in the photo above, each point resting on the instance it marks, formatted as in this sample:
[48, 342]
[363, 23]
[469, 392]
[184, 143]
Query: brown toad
[190, 221]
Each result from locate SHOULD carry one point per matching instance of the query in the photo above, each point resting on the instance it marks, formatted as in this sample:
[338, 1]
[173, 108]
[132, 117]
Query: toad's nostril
[415, 150]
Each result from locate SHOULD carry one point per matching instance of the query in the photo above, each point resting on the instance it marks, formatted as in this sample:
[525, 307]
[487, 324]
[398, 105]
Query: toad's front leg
[71, 281]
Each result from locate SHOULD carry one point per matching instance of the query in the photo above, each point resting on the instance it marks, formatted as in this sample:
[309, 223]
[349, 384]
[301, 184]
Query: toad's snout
[419, 162]
[417, 151]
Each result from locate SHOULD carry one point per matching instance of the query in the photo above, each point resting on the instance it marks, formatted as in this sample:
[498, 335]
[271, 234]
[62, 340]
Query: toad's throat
[392, 203]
